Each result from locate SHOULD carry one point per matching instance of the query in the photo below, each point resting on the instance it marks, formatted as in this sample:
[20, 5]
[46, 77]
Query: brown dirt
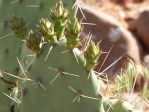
[122, 10]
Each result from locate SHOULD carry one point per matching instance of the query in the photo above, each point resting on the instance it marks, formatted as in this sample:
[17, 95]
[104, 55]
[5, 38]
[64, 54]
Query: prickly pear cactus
[11, 48]
[61, 76]
[30, 11]
[56, 74]
[10, 45]
[59, 83]
[8, 65]
[13, 54]
[115, 105]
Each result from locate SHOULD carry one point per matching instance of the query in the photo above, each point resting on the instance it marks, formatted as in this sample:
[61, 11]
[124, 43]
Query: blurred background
[121, 27]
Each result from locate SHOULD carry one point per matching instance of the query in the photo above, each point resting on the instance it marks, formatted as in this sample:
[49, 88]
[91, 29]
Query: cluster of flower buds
[18, 26]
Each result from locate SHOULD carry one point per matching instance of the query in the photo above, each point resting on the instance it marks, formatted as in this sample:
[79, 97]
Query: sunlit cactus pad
[60, 75]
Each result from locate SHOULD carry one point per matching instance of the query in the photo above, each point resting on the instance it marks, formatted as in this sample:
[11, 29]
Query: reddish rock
[141, 27]
[111, 34]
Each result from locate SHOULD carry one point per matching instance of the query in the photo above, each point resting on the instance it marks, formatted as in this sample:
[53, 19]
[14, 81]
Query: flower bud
[19, 27]
[33, 41]
[92, 54]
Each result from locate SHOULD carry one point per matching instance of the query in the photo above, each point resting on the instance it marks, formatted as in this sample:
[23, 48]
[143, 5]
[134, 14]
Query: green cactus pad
[60, 77]
[6, 102]
[115, 105]
[30, 11]
[59, 83]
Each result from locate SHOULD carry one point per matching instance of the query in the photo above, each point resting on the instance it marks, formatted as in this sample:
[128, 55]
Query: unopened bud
[19, 27]
[92, 54]
[33, 41]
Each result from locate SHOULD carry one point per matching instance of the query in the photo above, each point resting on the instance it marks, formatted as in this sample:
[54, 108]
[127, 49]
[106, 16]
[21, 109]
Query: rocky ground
[122, 28]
